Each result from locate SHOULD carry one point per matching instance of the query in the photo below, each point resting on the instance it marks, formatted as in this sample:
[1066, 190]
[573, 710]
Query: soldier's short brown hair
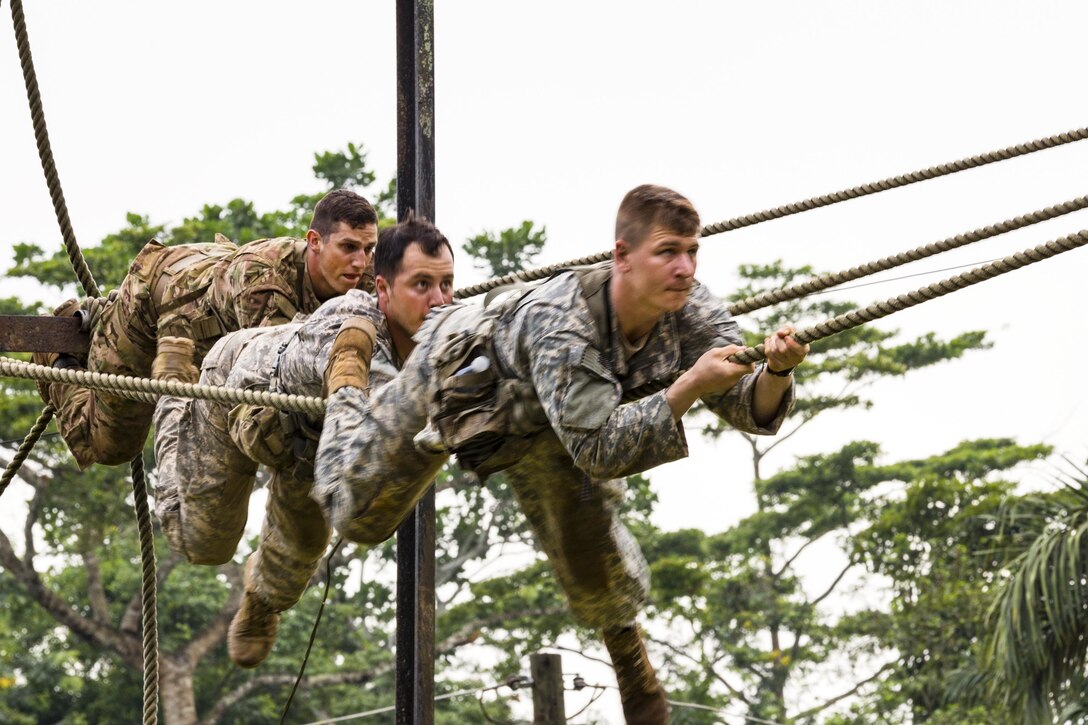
[342, 205]
[392, 241]
[648, 205]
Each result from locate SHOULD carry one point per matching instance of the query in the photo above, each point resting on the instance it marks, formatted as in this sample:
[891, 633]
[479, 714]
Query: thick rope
[877, 310]
[45, 153]
[52, 180]
[797, 207]
[1077, 134]
[147, 591]
[90, 287]
[818, 284]
[148, 390]
[26, 446]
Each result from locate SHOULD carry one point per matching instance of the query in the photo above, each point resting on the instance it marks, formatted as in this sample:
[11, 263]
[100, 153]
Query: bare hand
[713, 373]
[783, 352]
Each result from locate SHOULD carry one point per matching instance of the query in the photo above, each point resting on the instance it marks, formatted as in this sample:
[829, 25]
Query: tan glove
[174, 360]
[349, 359]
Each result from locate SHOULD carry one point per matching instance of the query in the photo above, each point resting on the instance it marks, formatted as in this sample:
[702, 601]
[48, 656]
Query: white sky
[551, 111]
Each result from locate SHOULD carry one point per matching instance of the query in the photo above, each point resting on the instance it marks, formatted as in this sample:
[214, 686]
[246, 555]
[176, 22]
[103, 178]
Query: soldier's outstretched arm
[368, 473]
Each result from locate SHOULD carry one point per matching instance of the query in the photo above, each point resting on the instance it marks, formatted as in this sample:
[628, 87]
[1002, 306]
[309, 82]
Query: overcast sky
[551, 111]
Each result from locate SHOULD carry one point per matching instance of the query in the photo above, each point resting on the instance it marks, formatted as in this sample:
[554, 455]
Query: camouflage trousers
[204, 486]
[161, 294]
[370, 474]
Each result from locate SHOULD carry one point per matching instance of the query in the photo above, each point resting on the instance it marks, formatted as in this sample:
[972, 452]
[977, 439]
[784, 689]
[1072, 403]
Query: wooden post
[547, 673]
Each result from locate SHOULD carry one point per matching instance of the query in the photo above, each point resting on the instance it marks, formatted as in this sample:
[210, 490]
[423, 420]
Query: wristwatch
[778, 373]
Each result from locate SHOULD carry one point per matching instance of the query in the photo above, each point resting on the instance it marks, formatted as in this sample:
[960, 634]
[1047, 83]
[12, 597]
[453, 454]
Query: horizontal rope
[797, 207]
[818, 284]
[147, 390]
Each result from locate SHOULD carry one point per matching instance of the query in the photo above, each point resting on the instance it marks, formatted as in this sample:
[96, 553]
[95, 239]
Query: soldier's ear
[620, 255]
[313, 241]
[381, 287]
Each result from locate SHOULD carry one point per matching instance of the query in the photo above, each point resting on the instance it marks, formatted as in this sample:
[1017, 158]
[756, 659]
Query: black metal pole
[415, 191]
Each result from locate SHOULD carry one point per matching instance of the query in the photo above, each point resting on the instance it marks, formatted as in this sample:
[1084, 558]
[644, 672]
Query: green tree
[1036, 651]
[508, 251]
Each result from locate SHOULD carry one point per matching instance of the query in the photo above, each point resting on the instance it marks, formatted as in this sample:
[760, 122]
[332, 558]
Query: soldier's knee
[313, 542]
[208, 555]
[112, 451]
[366, 532]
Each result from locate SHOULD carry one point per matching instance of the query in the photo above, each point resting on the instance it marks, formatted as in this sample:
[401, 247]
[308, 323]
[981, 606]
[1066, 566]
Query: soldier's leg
[293, 539]
[576, 523]
[597, 562]
[204, 482]
[100, 427]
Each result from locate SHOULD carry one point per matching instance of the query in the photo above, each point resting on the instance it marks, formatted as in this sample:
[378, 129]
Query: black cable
[313, 632]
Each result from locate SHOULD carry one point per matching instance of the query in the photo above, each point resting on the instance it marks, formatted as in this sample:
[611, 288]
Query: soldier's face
[342, 258]
[421, 283]
[661, 270]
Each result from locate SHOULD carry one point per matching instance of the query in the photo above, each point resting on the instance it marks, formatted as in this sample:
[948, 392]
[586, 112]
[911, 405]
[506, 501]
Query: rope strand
[818, 284]
[797, 207]
[26, 446]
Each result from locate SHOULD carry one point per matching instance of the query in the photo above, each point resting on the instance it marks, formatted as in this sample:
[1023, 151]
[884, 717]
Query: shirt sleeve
[265, 298]
[581, 398]
[707, 324]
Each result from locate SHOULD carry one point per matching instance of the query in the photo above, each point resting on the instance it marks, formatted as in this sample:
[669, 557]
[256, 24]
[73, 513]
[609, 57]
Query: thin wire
[905, 276]
[720, 711]
[483, 709]
[20, 440]
[391, 708]
[313, 631]
[596, 696]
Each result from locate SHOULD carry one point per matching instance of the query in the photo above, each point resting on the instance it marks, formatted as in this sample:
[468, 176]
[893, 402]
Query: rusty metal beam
[22, 333]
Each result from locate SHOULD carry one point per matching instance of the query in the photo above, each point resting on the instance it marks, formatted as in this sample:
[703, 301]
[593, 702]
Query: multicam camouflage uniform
[200, 291]
[378, 454]
[206, 469]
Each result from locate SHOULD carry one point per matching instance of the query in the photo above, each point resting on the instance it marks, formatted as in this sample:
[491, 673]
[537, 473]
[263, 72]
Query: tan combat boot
[349, 358]
[253, 630]
[174, 360]
[57, 359]
[643, 697]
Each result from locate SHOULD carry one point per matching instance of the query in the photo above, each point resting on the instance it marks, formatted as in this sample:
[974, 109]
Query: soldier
[200, 292]
[208, 453]
[534, 385]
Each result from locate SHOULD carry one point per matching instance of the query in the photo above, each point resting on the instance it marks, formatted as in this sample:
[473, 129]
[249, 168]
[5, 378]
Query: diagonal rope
[877, 310]
[818, 284]
[797, 207]
[45, 152]
[90, 287]
[26, 446]
[894, 182]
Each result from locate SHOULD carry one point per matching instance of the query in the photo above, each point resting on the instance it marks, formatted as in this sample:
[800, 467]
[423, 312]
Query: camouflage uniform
[200, 291]
[206, 474]
[378, 455]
